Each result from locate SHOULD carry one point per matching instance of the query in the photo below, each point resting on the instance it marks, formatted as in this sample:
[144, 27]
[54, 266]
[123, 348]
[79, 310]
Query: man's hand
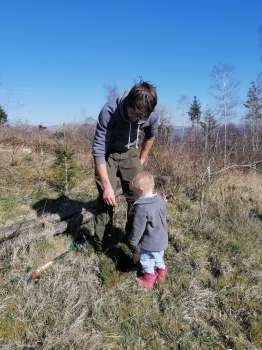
[109, 196]
[147, 145]
[108, 192]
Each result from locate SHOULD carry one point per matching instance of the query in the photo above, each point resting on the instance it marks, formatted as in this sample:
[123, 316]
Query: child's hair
[143, 181]
[142, 98]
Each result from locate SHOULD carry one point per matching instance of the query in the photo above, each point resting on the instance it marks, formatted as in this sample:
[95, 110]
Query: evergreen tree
[64, 167]
[254, 113]
[3, 116]
[195, 115]
[195, 111]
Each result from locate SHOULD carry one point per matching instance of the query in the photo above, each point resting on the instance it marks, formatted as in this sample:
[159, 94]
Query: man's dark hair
[142, 98]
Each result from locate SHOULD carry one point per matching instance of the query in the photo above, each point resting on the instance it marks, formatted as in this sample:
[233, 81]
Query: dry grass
[27, 177]
[54, 311]
[212, 298]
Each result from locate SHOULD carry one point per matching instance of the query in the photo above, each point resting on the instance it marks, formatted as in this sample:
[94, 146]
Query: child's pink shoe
[147, 281]
[161, 275]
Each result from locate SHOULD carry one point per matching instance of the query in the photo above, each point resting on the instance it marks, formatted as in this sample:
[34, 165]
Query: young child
[148, 234]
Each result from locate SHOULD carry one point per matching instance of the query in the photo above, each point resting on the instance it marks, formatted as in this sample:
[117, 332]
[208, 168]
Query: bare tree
[164, 135]
[208, 125]
[224, 86]
[260, 35]
[183, 104]
[112, 93]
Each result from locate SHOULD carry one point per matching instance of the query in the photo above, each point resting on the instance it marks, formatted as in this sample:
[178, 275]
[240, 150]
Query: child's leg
[147, 261]
[161, 270]
[159, 259]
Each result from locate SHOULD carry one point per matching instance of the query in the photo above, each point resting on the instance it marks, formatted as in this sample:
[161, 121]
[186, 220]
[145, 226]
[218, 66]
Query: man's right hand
[109, 196]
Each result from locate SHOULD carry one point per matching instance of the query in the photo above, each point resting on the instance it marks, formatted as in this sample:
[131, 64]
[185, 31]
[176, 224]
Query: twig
[250, 166]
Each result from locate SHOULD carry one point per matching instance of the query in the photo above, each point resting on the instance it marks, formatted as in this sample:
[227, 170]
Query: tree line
[212, 130]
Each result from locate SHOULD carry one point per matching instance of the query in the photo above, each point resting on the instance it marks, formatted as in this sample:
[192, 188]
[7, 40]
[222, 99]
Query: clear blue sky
[57, 56]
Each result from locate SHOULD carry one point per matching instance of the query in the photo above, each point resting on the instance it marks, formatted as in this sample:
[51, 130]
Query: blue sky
[57, 56]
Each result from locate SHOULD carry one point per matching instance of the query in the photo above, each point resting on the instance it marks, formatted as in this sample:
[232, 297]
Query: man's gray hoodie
[149, 224]
[115, 133]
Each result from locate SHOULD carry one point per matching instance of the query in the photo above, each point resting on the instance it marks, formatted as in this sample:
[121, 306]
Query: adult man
[115, 150]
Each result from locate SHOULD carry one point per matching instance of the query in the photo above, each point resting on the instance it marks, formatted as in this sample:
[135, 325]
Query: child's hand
[135, 253]
[135, 256]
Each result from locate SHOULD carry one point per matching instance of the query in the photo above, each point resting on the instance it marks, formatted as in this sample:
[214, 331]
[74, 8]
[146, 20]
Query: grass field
[211, 300]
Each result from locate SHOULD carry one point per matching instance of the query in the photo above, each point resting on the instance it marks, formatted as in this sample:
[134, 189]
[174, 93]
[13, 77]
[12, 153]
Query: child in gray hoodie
[148, 234]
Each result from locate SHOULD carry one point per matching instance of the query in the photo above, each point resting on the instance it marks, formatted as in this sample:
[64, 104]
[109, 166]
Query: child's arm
[139, 226]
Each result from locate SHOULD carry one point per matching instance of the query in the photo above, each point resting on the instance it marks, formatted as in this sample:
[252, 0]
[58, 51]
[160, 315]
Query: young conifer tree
[195, 111]
[195, 115]
[64, 167]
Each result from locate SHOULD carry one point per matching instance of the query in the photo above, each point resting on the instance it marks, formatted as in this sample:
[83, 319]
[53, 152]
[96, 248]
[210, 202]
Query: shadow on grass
[63, 206]
[70, 211]
[115, 248]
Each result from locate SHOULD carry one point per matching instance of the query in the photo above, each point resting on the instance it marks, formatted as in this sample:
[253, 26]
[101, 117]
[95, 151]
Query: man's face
[133, 116]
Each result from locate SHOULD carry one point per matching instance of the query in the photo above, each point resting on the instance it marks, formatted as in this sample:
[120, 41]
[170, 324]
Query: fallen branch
[47, 225]
[249, 166]
[9, 232]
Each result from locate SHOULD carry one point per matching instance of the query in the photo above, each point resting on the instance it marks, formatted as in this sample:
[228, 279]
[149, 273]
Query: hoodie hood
[148, 200]
[121, 106]
[116, 133]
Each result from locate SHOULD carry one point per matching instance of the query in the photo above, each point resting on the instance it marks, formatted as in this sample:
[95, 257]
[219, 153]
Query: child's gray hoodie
[149, 224]
[114, 131]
